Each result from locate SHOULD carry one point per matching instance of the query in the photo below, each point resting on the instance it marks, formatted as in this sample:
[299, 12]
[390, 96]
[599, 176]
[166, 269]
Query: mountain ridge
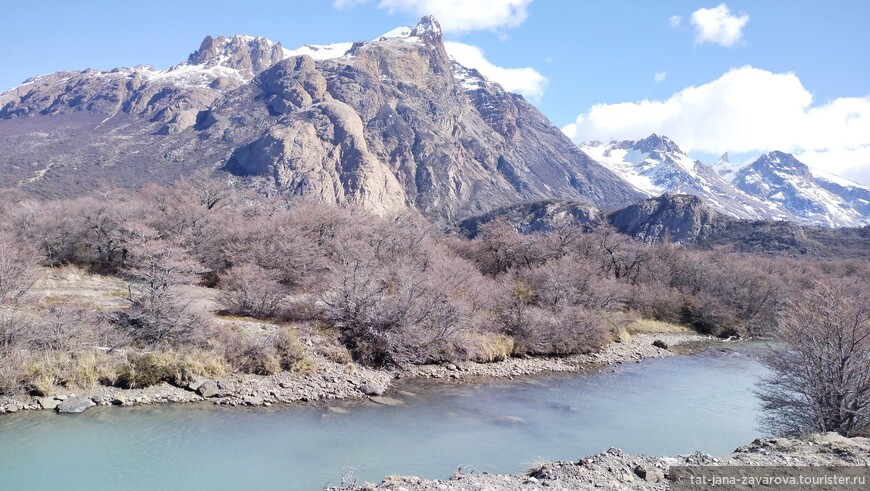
[390, 124]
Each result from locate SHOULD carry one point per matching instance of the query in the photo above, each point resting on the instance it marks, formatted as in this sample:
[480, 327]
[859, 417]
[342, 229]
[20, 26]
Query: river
[663, 406]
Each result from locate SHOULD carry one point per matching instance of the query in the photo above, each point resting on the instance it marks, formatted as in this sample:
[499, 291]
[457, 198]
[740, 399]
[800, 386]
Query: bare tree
[820, 374]
[156, 314]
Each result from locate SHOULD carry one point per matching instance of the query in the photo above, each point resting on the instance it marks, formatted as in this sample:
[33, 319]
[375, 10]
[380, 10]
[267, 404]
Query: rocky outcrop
[248, 55]
[674, 217]
[539, 216]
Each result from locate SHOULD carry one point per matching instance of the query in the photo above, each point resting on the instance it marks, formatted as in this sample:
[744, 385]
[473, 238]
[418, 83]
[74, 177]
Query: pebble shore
[615, 470]
[328, 380]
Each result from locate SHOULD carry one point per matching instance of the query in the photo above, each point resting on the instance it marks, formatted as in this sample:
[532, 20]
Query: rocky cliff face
[678, 218]
[391, 124]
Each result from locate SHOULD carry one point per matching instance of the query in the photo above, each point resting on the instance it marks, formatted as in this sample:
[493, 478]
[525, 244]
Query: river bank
[327, 380]
[616, 470]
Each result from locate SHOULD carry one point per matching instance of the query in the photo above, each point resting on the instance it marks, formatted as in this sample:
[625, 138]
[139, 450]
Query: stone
[658, 343]
[48, 402]
[119, 401]
[75, 405]
[373, 388]
[649, 473]
[195, 384]
[12, 409]
[210, 389]
[253, 401]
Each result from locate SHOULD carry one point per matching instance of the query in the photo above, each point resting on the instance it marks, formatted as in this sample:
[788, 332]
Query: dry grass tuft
[657, 327]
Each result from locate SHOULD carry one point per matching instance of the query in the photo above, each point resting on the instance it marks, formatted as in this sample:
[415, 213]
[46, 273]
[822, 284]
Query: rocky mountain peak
[249, 55]
[782, 162]
[429, 30]
[724, 158]
[656, 143]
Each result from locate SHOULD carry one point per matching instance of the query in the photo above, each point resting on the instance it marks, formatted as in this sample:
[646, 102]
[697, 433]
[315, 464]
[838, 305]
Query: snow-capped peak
[779, 177]
[657, 165]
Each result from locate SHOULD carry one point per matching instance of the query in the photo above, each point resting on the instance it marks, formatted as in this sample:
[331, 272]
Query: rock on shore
[616, 470]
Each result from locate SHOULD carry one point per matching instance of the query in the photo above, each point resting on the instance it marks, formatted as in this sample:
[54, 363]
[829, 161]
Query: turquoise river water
[665, 406]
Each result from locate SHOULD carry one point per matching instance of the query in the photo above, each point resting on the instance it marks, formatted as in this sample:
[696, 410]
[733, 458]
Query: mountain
[656, 165]
[685, 220]
[828, 200]
[389, 124]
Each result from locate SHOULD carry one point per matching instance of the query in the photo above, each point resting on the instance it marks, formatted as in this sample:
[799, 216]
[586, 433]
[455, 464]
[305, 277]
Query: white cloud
[660, 76]
[718, 26]
[457, 16]
[526, 81]
[745, 110]
[674, 20]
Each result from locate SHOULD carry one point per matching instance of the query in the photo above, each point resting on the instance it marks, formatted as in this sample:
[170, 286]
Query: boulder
[658, 343]
[194, 385]
[373, 388]
[210, 389]
[48, 402]
[649, 473]
[74, 405]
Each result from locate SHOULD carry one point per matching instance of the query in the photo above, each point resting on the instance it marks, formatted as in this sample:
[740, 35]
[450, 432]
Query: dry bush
[249, 290]
[485, 347]
[263, 355]
[564, 332]
[175, 367]
[392, 314]
[46, 371]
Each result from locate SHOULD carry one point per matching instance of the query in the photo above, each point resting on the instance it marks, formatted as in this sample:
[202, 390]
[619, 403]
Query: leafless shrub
[249, 290]
[820, 374]
[156, 315]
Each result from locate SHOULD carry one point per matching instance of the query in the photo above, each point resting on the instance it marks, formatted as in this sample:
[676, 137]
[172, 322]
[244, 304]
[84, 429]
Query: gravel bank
[618, 471]
[327, 380]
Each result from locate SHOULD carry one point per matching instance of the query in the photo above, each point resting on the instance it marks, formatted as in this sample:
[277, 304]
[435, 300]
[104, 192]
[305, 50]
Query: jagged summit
[429, 30]
[247, 54]
[656, 143]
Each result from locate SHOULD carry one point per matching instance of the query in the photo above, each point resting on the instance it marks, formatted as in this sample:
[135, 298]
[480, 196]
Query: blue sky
[742, 76]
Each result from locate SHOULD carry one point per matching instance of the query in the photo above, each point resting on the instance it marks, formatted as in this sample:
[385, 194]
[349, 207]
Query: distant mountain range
[775, 186]
[389, 124]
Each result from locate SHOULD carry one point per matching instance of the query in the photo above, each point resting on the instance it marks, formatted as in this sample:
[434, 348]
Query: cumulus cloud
[674, 20]
[660, 76]
[718, 26]
[457, 16]
[745, 110]
[525, 81]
